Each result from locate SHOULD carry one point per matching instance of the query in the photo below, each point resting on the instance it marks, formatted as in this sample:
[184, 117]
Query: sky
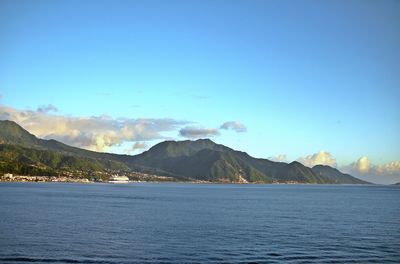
[313, 81]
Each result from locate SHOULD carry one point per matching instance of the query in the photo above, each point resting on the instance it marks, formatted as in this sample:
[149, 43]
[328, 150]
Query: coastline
[56, 179]
[69, 179]
[26, 178]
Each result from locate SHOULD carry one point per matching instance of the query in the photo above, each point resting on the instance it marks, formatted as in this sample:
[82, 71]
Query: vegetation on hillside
[22, 153]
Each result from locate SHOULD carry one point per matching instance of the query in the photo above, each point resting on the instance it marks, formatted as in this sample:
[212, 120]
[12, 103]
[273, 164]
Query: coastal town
[8, 177]
[133, 177]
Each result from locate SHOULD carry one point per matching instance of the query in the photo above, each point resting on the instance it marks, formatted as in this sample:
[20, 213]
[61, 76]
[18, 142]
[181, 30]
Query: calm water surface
[193, 223]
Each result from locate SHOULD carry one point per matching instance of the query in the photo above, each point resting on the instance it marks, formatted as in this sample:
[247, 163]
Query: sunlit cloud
[364, 169]
[362, 165]
[234, 125]
[279, 158]
[320, 158]
[95, 133]
[198, 132]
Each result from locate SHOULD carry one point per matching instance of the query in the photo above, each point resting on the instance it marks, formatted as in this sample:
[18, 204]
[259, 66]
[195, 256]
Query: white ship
[118, 179]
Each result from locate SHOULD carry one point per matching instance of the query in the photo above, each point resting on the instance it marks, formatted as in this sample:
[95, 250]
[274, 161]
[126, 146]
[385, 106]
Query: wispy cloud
[234, 125]
[198, 132]
[47, 108]
[136, 146]
[320, 158]
[139, 145]
[95, 132]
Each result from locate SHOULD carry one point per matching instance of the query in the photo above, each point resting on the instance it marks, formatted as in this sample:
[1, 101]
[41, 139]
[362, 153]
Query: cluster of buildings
[8, 177]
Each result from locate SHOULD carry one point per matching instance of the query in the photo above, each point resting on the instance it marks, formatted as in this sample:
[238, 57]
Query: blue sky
[302, 76]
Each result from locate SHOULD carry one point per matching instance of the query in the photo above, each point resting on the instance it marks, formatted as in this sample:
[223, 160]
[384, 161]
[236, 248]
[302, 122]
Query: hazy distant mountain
[336, 176]
[21, 152]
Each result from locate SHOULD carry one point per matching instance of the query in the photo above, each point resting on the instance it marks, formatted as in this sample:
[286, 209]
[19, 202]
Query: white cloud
[279, 158]
[364, 169]
[362, 164]
[391, 167]
[320, 158]
[234, 125]
[197, 132]
[95, 133]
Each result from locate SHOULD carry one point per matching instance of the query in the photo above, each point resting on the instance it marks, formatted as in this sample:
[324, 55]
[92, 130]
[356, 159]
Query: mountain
[23, 153]
[204, 160]
[12, 133]
[336, 176]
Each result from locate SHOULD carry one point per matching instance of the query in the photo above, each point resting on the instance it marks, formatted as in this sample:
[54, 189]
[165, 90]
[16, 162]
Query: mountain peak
[295, 163]
[204, 140]
[8, 124]
[200, 159]
[173, 148]
[12, 133]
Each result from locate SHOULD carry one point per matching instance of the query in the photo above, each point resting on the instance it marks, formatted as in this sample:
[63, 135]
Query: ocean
[198, 223]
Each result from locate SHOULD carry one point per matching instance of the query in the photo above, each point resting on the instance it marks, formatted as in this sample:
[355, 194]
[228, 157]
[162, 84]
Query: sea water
[198, 223]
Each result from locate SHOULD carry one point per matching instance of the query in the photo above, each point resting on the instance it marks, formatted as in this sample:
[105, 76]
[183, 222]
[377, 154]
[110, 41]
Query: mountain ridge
[199, 160]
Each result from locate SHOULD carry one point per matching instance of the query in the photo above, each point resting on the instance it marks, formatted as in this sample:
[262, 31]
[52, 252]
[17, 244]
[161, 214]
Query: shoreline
[54, 179]
[28, 178]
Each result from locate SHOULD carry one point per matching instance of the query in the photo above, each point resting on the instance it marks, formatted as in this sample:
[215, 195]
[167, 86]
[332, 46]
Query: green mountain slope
[23, 153]
[13, 134]
[205, 160]
[31, 161]
[336, 176]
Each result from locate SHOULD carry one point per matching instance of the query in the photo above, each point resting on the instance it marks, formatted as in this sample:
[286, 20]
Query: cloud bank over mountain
[192, 132]
[363, 168]
[385, 173]
[198, 132]
[94, 132]
[136, 146]
[99, 133]
[320, 158]
[279, 158]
